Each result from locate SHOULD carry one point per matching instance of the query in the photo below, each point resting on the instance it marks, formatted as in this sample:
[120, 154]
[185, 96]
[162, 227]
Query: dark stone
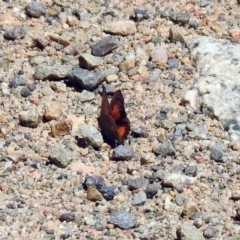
[104, 46]
[153, 179]
[81, 142]
[17, 80]
[140, 132]
[137, 183]
[108, 192]
[123, 220]
[16, 32]
[25, 92]
[53, 20]
[86, 79]
[195, 216]
[30, 120]
[94, 181]
[182, 18]
[151, 192]
[34, 9]
[191, 171]
[140, 15]
[67, 217]
[173, 63]
[64, 236]
[210, 232]
[231, 124]
[122, 152]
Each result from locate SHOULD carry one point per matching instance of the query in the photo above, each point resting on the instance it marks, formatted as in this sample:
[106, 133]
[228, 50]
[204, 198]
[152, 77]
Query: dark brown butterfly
[113, 121]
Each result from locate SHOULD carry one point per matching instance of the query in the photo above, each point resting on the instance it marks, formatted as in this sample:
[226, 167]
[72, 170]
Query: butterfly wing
[119, 115]
[107, 123]
[123, 128]
[117, 106]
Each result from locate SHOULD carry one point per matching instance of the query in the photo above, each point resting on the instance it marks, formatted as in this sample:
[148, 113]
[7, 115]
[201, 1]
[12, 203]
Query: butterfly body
[113, 121]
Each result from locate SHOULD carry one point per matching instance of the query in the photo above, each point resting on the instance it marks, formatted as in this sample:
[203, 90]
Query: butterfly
[113, 121]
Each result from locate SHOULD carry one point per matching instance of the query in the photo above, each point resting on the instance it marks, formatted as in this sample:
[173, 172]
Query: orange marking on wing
[122, 131]
[116, 114]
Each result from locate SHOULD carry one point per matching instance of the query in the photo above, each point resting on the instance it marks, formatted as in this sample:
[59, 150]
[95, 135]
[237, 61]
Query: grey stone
[174, 179]
[217, 88]
[105, 46]
[181, 199]
[216, 153]
[92, 135]
[89, 61]
[166, 124]
[177, 135]
[17, 80]
[189, 232]
[56, 72]
[122, 152]
[82, 16]
[204, 3]
[139, 198]
[32, 87]
[86, 79]
[137, 183]
[165, 149]
[123, 220]
[86, 96]
[34, 9]
[30, 120]
[168, 13]
[210, 232]
[16, 32]
[61, 156]
[173, 63]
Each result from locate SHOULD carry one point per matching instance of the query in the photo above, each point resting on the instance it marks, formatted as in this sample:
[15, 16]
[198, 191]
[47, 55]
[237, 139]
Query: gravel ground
[177, 174]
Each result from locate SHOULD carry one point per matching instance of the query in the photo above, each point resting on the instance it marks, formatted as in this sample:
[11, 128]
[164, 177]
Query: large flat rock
[217, 90]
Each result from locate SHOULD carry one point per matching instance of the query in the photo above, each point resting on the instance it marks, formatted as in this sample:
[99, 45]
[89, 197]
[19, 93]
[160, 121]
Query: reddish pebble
[46, 212]
[35, 101]
[199, 159]
[35, 174]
